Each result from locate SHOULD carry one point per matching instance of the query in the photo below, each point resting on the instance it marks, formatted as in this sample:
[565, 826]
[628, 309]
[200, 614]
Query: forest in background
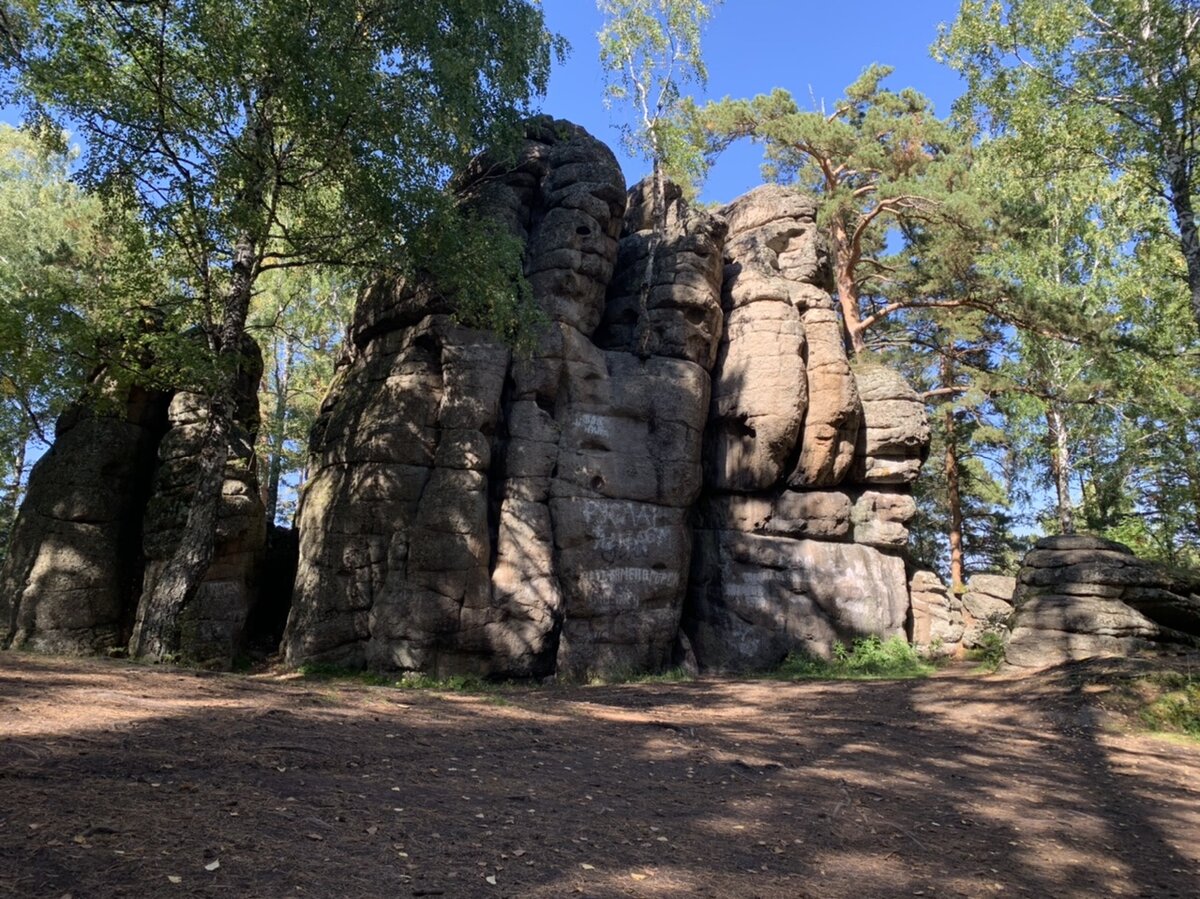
[1031, 261]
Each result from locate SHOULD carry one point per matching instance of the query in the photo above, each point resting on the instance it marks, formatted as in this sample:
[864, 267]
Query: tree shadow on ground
[118, 778]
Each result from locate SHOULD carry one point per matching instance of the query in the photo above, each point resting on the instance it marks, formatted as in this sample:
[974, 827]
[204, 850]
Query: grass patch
[1171, 703]
[868, 658]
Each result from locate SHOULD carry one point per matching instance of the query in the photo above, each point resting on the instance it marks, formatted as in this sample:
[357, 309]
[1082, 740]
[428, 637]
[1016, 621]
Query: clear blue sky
[813, 49]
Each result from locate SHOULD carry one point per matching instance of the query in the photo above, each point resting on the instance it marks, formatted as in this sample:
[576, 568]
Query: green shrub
[868, 658]
[991, 650]
[1176, 709]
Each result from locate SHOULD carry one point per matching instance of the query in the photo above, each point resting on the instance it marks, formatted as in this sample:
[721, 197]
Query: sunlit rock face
[469, 512]
[687, 465]
[1081, 596]
[808, 459]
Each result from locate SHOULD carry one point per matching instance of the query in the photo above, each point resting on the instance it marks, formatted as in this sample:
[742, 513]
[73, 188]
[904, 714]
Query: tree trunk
[156, 633]
[275, 439]
[1060, 465]
[12, 496]
[1179, 184]
[953, 488]
[847, 290]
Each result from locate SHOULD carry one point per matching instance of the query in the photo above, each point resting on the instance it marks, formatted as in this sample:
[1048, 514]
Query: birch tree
[278, 134]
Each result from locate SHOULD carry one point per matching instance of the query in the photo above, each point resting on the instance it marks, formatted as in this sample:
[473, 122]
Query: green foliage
[670, 676]
[1176, 706]
[868, 658]
[881, 162]
[299, 318]
[1097, 396]
[990, 653]
[1108, 82]
[69, 275]
[650, 49]
[308, 133]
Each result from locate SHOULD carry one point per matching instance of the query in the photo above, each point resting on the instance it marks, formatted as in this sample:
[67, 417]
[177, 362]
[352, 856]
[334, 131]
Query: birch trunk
[156, 632]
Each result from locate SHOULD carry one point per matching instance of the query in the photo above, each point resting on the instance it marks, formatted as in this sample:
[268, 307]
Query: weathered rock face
[806, 473]
[213, 622]
[472, 514]
[987, 607]
[74, 565]
[102, 515]
[1080, 596]
[937, 624]
[687, 432]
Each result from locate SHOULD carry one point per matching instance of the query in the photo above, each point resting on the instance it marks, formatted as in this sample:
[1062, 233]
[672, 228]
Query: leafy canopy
[650, 49]
[314, 132]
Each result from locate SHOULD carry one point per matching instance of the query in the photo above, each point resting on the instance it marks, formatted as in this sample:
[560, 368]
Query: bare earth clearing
[119, 780]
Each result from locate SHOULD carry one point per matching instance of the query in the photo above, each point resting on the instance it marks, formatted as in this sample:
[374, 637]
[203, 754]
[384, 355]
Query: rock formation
[74, 566]
[807, 460]
[1082, 596]
[945, 623]
[101, 517]
[987, 607]
[937, 620]
[688, 431]
[469, 513]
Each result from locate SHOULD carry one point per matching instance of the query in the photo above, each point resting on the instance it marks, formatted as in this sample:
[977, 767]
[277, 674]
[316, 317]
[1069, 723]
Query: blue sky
[812, 49]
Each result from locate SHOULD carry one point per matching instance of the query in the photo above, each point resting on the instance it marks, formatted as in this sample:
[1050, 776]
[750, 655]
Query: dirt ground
[123, 780]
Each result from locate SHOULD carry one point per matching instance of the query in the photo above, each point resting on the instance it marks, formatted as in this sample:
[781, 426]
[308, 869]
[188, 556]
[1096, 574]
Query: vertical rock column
[801, 525]
[629, 460]
[70, 580]
[473, 513]
[212, 624]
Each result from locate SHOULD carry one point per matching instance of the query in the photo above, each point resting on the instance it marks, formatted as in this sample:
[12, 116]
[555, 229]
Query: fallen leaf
[174, 878]
[372, 830]
[588, 867]
[491, 878]
[637, 876]
[213, 865]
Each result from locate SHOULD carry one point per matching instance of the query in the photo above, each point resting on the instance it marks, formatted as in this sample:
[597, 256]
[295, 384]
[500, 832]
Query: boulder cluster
[1082, 596]
[946, 623]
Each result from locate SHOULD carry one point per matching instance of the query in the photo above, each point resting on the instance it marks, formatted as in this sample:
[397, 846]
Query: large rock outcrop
[687, 465]
[1080, 596]
[469, 513]
[808, 461]
[102, 514]
[74, 564]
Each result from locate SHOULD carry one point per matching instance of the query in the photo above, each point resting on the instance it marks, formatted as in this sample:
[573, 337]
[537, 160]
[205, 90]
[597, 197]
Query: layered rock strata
[472, 513]
[987, 607]
[1080, 596]
[808, 461]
